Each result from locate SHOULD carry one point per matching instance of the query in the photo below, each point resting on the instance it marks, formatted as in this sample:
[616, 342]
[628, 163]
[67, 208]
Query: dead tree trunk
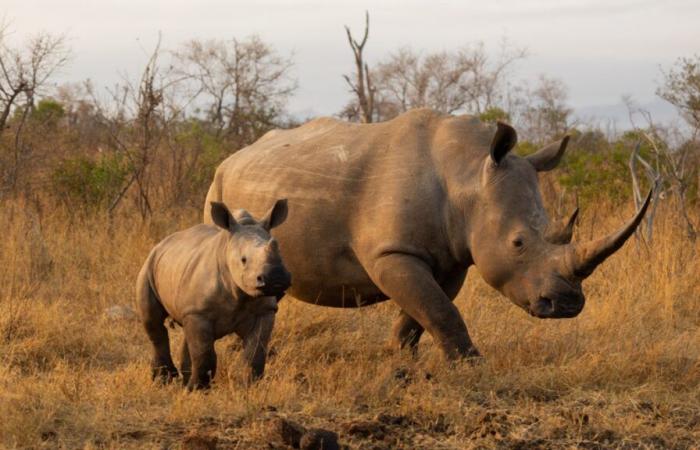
[362, 86]
[654, 177]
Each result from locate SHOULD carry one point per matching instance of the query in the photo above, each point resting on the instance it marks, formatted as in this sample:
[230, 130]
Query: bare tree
[544, 113]
[655, 180]
[487, 81]
[671, 165]
[24, 73]
[467, 80]
[243, 85]
[135, 119]
[362, 85]
[681, 88]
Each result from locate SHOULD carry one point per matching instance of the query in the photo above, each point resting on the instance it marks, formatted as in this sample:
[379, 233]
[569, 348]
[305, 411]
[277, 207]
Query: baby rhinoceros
[213, 280]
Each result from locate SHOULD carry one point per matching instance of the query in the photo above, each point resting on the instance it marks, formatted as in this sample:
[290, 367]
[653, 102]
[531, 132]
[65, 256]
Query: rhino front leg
[199, 335]
[255, 344]
[407, 331]
[408, 281]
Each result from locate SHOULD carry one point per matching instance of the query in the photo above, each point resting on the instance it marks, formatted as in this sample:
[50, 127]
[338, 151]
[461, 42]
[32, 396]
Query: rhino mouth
[556, 308]
[276, 286]
[275, 289]
[273, 282]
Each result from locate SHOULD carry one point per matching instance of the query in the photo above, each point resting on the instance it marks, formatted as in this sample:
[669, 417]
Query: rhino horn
[549, 156]
[564, 230]
[587, 256]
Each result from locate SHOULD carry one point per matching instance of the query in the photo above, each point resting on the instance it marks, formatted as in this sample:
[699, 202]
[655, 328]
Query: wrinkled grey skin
[402, 209]
[213, 281]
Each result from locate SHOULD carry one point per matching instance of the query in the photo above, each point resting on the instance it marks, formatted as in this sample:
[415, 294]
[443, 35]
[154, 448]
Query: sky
[602, 50]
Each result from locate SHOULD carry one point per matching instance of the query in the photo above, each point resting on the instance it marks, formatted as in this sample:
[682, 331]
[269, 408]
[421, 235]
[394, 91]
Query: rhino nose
[558, 306]
[275, 280]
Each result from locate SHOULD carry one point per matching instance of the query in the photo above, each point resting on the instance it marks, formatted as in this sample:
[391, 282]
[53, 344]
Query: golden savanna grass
[625, 373]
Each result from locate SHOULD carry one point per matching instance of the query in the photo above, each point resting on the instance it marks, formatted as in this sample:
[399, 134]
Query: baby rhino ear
[221, 216]
[276, 215]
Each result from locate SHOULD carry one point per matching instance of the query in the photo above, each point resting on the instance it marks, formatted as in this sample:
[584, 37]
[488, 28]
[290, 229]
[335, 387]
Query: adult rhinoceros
[402, 209]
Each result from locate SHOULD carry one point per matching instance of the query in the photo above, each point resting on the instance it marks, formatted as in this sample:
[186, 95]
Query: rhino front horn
[587, 256]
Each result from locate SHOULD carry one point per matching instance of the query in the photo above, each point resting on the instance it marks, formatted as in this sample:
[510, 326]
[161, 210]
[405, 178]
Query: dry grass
[625, 373]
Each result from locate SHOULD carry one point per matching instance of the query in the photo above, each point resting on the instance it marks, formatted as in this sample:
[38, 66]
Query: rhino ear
[276, 215]
[221, 216]
[503, 142]
[548, 157]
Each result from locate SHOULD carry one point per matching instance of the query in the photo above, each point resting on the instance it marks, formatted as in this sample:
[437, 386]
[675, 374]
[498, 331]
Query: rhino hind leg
[407, 332]
[185, 362]
[153, 316]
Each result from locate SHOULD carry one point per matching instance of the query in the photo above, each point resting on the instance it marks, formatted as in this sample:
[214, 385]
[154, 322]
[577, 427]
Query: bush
[597, 169]
[196, 152]
[48, 111]
[494, 114]
[90, 183]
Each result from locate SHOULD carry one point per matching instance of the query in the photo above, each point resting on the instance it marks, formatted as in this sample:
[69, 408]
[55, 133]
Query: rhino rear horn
[503, 141]
[563, 231]
[549, 156]
[587, 256]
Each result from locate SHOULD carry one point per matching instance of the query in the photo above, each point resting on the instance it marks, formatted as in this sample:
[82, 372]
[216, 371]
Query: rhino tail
[153, 316]
[147, 300]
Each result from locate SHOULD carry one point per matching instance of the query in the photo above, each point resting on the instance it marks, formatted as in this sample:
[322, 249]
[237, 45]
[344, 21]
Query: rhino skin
[401, 209]
[213, 281]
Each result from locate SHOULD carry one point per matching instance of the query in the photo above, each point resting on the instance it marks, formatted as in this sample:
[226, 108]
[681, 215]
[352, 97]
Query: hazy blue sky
[600, 49]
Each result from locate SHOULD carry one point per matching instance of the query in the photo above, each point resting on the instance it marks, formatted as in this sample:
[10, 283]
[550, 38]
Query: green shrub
[597, 169]
[494, 114]
[199, 152]
[48, 111]
[213, 152]
[90, 183]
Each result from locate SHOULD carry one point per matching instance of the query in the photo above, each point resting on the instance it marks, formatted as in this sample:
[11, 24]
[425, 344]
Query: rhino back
[184, 270]
[354, 191]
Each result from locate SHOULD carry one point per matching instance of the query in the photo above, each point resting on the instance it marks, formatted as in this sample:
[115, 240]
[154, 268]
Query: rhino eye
[518, 242]
[244, 260]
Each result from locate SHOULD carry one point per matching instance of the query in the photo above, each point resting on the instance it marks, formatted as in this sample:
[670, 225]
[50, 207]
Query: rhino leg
[255, 344]
[408, 281]
[407, 331]
[153, 316]
[185, 362]
[199, 335]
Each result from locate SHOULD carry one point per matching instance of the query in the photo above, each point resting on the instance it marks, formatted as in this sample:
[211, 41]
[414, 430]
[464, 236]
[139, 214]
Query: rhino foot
[164, 373]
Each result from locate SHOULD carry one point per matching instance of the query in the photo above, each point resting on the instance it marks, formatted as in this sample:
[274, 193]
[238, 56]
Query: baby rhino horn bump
[587, 256]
